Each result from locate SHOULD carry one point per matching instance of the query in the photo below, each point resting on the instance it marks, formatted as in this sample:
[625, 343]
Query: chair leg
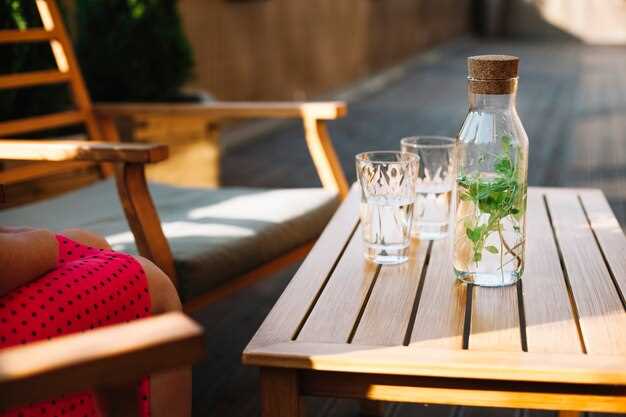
[143, 218]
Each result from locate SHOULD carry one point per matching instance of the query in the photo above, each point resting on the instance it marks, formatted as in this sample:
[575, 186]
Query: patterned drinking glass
[387, 181]
[434, 184]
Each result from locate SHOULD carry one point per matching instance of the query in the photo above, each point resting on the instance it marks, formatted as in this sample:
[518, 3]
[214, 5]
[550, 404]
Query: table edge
[449, 363]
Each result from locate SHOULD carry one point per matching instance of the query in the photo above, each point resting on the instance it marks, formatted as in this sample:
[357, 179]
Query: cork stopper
[492, 74]
[492, 67]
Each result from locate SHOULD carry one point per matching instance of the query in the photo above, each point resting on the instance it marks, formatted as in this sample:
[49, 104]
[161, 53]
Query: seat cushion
[215, 234]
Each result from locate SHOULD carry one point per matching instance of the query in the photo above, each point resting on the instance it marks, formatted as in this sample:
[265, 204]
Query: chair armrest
[312, 114]
[59, 150]
[103, 357]
[228, 110]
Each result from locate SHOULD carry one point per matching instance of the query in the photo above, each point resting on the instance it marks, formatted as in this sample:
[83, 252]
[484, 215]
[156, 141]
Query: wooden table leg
[279, 393]
[371, 408]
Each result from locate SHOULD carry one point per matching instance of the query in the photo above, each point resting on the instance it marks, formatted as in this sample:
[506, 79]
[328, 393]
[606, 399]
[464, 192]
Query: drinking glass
[387, 181]
[433, 185]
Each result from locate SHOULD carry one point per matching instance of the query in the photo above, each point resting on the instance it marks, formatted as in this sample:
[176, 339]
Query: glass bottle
[492, 164]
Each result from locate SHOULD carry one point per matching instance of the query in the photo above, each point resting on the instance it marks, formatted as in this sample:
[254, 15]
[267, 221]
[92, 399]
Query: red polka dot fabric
[90, 288]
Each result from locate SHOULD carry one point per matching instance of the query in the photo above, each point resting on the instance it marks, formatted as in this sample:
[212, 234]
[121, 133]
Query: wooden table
[348, 328]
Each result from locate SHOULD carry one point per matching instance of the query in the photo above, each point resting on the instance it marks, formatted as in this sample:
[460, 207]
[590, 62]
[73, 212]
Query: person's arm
[25, 256]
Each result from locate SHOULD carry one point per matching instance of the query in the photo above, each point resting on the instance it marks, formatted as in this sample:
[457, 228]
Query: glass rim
[406, 157]
[411, 142]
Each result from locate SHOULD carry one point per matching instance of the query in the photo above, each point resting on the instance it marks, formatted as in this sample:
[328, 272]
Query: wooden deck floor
[572, 102]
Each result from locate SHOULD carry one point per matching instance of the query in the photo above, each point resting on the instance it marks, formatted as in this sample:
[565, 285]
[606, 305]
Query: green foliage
[132, 50]
[128, 50]
[497, 197]
[17, 58]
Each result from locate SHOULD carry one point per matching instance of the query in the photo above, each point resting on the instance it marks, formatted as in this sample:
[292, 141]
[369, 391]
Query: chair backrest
[66, 72]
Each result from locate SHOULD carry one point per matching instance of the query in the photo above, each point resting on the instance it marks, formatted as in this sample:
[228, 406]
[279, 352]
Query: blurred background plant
[132, 50]
[129, 50]
[16, 103]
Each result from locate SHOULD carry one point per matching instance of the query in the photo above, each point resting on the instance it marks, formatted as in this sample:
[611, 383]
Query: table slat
[388, 311]
[550, 321]
[495, 322]
[287, 314]
[338, 307]
[441, 309]
[608, 232]
[601, 314]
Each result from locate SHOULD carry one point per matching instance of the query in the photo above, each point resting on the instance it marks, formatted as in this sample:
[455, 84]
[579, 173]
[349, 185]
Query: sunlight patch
[184, 229]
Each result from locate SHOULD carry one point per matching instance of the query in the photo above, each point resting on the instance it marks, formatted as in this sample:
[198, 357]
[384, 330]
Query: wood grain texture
[608, 233]
[109, 134]
[388, 310]
[447, 363]
[62, 150]
[30, 35]
[279, 393]
[66, 61]
[324, 156]
[271, 53]
[194, 143]
[550, 320]
[488, 374]
[193, 162]
[230, 110]
[337, 310]
[41, 370]
[33, 78]
[441, 308]
[37, 170]
[495, 322]
[193, 133]
[465, 392]
[285, 318]
[601, 313]
[36, 123]
[143, 218]
[569, 413]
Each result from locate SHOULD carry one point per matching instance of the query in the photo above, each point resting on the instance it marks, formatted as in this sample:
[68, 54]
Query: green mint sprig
[498, 197]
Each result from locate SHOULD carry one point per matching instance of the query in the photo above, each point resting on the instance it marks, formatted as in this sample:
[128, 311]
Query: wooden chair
[106, 359]
[126, 160]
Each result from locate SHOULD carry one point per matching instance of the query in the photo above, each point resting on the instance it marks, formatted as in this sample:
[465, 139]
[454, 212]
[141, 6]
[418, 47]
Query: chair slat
[36, 123]
[30, 35]
[36, 170]
[34, 78]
